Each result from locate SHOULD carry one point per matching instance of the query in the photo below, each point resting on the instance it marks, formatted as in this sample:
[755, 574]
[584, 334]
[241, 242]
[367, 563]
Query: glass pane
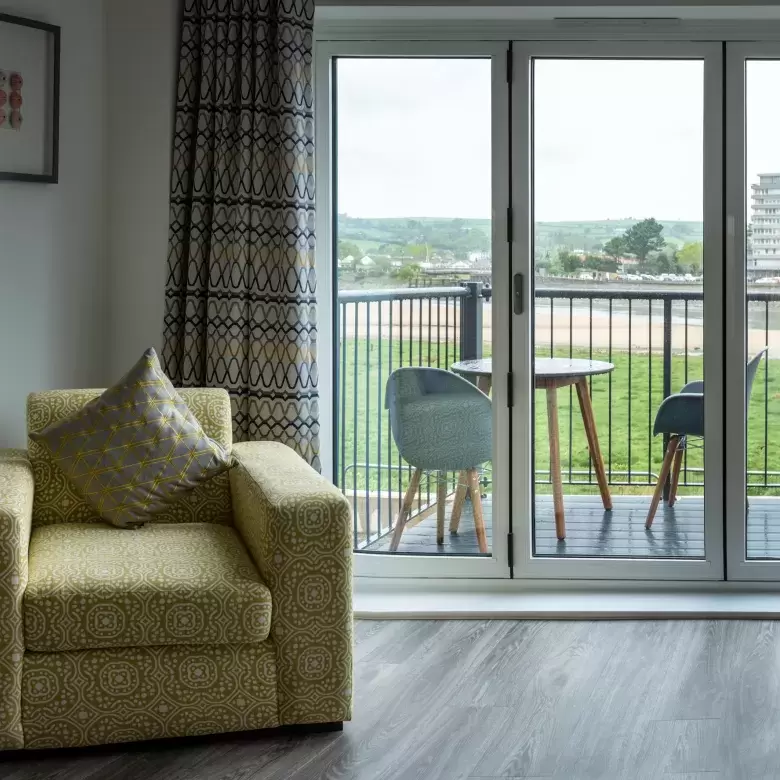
[618, 250]
[413, 198]
[763, 318]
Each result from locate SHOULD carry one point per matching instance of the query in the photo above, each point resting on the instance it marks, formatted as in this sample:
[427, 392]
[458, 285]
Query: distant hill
[592, 235]
[459, 236]
[463, 235]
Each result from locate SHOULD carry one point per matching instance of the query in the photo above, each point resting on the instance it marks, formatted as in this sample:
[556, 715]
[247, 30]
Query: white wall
[52, 260]
[142, 41]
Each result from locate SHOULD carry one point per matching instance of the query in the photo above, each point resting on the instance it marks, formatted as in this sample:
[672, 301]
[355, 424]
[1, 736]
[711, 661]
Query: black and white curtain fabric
[240, 294]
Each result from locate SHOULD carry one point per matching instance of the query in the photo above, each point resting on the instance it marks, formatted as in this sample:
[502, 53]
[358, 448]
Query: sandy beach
[404, 320]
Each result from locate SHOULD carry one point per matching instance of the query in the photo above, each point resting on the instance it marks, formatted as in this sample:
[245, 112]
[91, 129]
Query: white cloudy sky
[614, 138]
[414, 137]
[763, 118]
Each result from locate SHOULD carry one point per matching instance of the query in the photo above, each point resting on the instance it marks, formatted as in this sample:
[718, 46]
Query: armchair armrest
[16, 500]
[297, 528]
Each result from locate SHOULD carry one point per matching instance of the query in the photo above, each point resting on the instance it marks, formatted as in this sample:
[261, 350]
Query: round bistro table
[550, 374]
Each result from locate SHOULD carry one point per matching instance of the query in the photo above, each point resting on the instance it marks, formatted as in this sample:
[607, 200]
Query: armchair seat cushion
[93, 586]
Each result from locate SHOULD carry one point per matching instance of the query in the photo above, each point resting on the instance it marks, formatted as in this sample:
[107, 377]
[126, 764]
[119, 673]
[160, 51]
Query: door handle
[518, 293]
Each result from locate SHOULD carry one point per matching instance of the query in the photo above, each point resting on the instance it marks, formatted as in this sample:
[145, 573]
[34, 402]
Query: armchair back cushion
[57, 500]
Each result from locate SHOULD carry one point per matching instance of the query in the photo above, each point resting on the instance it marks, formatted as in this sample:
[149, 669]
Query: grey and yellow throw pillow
[136, 448]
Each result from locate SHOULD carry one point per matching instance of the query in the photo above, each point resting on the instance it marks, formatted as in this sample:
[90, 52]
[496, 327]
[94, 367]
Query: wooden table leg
[586, 408]
[441, 505]
[485, 384]
[555, 461]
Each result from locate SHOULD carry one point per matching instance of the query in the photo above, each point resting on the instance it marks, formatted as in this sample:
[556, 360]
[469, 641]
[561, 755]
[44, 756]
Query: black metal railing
[654, 338]
[647, 334]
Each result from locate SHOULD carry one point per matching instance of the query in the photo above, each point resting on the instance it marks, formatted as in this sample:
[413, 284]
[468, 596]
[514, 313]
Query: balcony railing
[654, 338]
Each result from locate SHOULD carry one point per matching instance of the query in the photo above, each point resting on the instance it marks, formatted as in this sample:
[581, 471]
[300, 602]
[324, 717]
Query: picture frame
[29, 100]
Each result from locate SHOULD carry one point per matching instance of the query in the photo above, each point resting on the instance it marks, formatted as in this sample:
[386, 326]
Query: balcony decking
[677, 532]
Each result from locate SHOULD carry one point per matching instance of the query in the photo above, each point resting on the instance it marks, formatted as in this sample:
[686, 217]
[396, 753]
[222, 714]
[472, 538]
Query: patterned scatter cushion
[93, 586]
[134, 449]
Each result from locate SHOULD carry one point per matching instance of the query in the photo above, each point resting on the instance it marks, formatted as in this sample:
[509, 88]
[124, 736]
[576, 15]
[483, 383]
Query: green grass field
[633, 395]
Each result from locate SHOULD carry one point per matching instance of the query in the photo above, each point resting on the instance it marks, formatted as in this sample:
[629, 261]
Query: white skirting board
[399, 603]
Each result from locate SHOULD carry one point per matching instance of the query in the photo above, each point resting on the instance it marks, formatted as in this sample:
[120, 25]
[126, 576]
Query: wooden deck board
[677, 532]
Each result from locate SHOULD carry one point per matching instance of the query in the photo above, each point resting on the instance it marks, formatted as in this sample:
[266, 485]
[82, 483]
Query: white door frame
[383, 565]
[526, 565]
[738, 566]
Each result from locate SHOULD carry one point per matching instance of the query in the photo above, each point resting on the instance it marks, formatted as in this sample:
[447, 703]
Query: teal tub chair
[440, 422]
[681, 416]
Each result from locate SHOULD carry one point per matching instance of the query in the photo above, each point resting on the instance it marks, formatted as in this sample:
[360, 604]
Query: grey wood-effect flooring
[471, 700]
[677, 532]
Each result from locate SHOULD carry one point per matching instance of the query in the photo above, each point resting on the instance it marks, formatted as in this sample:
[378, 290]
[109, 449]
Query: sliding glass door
[753, 311]
[617, 201]
[417, 232]
[564, 259]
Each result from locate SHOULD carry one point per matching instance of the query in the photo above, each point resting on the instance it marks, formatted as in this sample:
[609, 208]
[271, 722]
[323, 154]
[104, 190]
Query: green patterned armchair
[232, 611]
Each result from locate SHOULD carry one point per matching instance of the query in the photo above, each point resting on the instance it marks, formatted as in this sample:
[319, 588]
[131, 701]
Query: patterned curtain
[240, 295]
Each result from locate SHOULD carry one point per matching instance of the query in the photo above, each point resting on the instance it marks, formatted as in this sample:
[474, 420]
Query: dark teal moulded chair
[440, 422]
[682, 416]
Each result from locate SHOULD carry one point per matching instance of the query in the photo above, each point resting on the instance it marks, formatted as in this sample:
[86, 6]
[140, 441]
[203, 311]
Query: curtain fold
[240, 307]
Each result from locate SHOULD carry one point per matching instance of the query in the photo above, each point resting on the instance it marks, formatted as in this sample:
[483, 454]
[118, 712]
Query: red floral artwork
[11, 100]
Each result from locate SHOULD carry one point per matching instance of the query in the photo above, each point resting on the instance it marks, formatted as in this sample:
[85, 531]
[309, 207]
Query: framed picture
[29, 99]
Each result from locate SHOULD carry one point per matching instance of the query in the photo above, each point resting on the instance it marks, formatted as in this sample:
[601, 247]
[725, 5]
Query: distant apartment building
[763, 250]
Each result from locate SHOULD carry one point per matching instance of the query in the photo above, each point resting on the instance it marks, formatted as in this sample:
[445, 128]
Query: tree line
[413, 238]
[645, 242]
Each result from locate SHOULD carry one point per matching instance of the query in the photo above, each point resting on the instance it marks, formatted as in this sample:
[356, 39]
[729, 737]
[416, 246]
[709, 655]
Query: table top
[554, 368]
[544, 368]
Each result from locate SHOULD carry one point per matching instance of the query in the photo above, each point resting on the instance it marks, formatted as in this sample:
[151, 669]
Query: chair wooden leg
[476, 501]
[406, 509]
[676, 466]
[441, 506]
[555, 461]
[659, 487]
[457, 506]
